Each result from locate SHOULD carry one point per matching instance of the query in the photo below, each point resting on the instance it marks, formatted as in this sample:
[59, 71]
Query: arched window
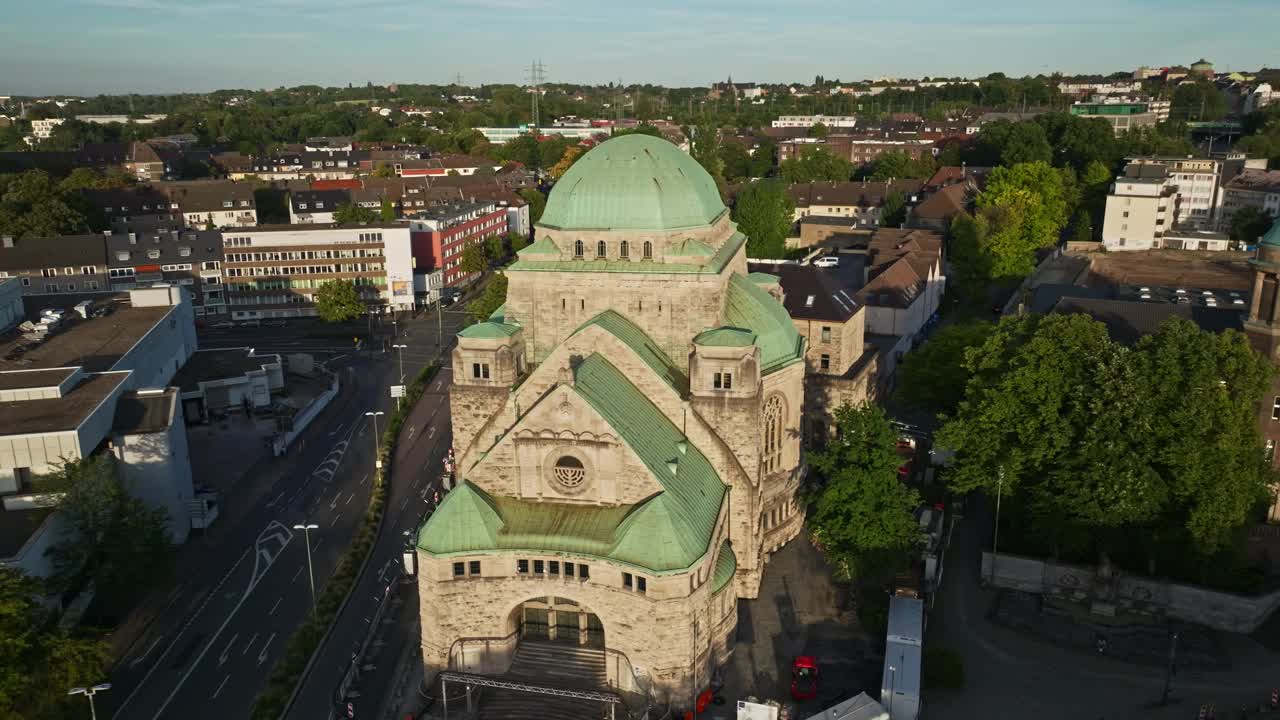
[578, 249]
[600, 250]
[624, 250]
[773, 418]
[569, 471]
[648, 250]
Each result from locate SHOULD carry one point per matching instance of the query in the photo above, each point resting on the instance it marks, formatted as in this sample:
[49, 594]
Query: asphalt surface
[208, 654]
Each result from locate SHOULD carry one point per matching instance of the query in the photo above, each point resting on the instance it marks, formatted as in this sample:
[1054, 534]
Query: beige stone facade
[627, 434]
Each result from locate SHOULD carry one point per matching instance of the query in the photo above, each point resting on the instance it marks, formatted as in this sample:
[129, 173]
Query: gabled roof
[633, 337]
[489, 331]
[898, 286]
[747, 305]
[812, 293]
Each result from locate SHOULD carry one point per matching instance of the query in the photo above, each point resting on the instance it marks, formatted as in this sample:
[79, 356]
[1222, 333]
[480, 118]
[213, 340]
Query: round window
[569, 471]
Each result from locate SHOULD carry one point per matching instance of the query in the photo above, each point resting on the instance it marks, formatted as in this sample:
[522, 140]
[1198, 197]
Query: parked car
[275, 322]
[249, 323]
[827, 261]
[224, 325]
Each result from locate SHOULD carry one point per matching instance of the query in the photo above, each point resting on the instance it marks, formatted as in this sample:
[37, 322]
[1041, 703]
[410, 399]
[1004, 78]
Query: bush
[943, 669]
[287, 672]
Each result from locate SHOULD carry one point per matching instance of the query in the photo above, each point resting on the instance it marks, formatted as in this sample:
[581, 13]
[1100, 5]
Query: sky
[89, 47]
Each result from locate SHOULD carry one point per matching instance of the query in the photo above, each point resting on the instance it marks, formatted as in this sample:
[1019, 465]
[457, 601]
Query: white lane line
[144, 655]
[334, 504]
[350, 498]
[412, 429]
[406, 502]
[262, 656]
[295, 575]
[273, 607]
[338, 430]
[225, 651]
[276, 499]
[335, 520]
[317, 545]
[431, 432]
[364, 479]
[249, 644]
[220, 686]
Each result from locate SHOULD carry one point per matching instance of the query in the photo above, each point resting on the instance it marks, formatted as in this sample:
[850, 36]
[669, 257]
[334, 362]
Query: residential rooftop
[219, 364]
[96, 344]
[60, 414]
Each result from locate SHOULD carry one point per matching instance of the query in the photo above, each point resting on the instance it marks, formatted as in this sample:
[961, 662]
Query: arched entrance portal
[557, 619]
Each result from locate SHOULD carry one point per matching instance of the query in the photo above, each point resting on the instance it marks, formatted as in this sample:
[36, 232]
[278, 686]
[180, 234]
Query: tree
[32, 205]
[764, 213]
[496, 248]
[641, 129]
[39, 662]
[338, 301]
[387, 212]
[735, 161]
[862, 513]
[567, 159]
[1008, 143]
[896, 166]
[494, 295]
[819, 130]
[894, 211]
[1081, 227]
[352, 214]
[1198, 101]
[1250, 223]
[934, 375]
[537, 203]
[1030, 203]
[114, 538]
[517, 242]
[814, 164]
[474, 259]
[1076, 141]
[706, 150]
[971, 255]
[384, 170]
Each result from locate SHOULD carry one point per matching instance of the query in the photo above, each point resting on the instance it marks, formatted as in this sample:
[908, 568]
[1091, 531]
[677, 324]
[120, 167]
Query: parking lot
[1188, 269]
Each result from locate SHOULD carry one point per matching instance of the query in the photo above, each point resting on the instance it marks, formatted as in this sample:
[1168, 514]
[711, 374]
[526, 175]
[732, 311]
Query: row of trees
[1141, 453]
[34, 204]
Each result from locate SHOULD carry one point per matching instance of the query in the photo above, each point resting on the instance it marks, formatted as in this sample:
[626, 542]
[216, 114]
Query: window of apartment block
[91, 285]
[88, 270]
[153, 254]
[26, 282]
[1270, 451]
[68, 271]
[522, 567]
[50, 272]
[826, 334]
[824, 362]
[627, 581]
[51, 287]
[538, 567]
[474, 567]
[459, 569]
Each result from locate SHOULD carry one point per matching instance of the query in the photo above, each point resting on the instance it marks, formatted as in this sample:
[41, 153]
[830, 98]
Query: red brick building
[439, 234]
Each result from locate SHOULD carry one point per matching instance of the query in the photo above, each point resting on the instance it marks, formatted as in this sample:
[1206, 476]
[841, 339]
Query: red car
[804, 678]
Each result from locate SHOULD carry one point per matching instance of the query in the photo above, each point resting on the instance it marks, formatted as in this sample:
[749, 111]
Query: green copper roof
[540, 263]
[489, 331]
[667, 532]
[726, 566]
[691, 248]
[747, 305]
[761, 278]
[726, 337]
[543, 246]
[1272, 236]
[499, 315]
[685, 512]
[615, 324]
[633, 182]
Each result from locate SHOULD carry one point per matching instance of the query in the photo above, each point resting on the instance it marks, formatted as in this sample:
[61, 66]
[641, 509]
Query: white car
[827, 261]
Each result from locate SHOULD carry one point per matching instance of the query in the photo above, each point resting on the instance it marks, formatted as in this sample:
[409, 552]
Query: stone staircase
[550, 664]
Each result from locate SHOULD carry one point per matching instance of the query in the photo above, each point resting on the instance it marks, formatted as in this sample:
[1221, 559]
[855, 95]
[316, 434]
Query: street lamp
[377, 463]
[401, 348]
[89, 692]
[311, 575]
[893, 685]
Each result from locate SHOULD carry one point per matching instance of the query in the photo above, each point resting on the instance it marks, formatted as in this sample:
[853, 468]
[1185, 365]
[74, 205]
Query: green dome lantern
[634, 182]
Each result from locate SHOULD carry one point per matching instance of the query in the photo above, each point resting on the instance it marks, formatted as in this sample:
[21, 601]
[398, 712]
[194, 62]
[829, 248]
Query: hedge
[272, 702]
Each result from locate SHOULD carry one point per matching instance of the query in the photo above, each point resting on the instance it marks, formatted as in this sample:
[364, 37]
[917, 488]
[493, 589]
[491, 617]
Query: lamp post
[377, 463]
[893, 685]
[995, 540]
[306, 532]
[401, 348]
[1170, 668]
[89, 692]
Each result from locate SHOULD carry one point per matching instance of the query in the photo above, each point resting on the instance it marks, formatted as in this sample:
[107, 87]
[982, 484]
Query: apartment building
[275, 271]
[188, 258]
[43, 129]
[1252, 188]
[216, 203]
[1198, 184]
[860, 201]
[308, 207]
[441, 233]
[1122, 117]
[57, 265]
[1140, 209]
[859, 150]
[808, 121]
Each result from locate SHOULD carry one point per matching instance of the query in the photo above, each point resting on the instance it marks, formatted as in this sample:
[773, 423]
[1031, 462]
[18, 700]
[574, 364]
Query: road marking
[350, 498]
[364, 479]
[276, 499]
[431, 432]
[273, 607]
[223, 657]
[262, 656]
[339, 429]
[249, 644]
[406, 502]
[220, 686]
[296, 574]
[334, 504]
[412, 429]
[335, 520]
[317, 545]
[144, 655]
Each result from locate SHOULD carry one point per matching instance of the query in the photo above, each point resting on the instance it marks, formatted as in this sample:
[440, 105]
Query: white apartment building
[43, 129]
[1253, 188]
[275, 271]
[1140, 209]
[1198, 184]
[1261, 97]
[807, 121]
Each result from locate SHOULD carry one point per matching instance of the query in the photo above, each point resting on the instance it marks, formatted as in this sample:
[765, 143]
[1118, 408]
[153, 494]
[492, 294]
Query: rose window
[569, 471]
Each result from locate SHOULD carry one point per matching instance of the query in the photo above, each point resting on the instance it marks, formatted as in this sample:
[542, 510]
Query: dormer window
[319, 204]
[302, 206]
[808, 301]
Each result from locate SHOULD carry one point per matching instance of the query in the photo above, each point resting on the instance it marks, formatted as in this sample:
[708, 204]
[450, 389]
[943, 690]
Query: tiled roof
[896, 286]
[747, 305]
[853, 194]
[944, 204]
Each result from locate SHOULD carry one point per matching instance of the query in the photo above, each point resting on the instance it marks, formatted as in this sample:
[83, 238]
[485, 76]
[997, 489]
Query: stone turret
[487, 362]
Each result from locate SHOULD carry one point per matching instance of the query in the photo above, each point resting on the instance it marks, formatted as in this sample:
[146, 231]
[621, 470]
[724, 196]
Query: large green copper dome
[635, 182]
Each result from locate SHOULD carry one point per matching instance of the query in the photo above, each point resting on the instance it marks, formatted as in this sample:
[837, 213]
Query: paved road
[209, 652]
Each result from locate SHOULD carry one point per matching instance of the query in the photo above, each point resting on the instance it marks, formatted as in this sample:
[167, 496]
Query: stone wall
[1219, 610]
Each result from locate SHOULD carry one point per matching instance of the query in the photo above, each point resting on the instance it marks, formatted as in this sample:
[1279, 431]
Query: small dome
[634, 182]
